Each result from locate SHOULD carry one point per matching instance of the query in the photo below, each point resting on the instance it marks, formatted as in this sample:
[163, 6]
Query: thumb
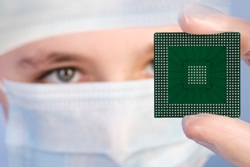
[199, 19]
[227, 137]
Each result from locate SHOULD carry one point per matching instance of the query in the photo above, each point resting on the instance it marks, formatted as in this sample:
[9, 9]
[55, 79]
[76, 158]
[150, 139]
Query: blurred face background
[111, 55]
[59, 42]
[68, 42]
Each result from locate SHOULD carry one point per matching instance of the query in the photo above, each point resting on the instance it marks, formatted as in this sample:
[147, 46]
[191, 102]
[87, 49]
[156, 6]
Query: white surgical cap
[22, 21]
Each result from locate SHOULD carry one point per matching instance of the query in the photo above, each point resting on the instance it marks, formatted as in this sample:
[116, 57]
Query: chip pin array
[197, 74]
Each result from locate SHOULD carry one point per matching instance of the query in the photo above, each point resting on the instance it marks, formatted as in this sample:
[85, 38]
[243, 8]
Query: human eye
[149, 69]
[61, 75]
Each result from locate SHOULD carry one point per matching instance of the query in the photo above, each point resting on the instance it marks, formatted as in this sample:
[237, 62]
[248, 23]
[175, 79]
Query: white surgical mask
[93, 125]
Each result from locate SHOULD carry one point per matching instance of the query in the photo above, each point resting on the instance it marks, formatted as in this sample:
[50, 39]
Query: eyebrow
[50, 58]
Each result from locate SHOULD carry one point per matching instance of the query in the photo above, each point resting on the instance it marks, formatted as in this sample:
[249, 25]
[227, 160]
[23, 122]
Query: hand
[227, 137]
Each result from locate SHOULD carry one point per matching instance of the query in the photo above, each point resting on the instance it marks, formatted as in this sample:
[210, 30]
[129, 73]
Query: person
[107, 119]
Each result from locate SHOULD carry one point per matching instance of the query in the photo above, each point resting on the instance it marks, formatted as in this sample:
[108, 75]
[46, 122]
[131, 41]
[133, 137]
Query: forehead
[102, 37]
[116, 40]
[83, 40]
[93, 44]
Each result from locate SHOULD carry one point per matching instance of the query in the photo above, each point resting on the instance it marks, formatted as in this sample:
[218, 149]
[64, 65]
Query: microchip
[196, 74]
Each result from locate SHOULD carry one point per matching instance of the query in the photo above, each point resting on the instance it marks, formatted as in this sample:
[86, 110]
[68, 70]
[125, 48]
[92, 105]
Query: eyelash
[40, 78]
[48, 72]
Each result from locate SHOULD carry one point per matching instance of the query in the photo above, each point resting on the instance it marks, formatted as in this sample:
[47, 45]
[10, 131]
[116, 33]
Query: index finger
[199, 19]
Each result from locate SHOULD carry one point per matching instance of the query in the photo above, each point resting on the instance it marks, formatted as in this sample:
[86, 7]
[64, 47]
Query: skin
[227, 137]
[110, 55]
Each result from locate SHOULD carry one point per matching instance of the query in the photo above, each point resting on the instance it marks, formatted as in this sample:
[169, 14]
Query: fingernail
[195, 12]
[189, 118]
[246, 58]
[198, 11]
[186, 120]
[247, 62]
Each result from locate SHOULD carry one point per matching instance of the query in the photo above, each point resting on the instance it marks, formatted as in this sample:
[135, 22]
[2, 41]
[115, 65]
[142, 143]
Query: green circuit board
[196, 74]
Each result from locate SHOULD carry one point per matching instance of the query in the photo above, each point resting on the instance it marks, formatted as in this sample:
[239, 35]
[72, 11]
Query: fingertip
[193, 126]
[195, 18]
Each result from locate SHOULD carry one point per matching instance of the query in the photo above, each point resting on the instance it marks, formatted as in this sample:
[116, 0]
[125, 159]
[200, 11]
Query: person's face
[110, 55]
